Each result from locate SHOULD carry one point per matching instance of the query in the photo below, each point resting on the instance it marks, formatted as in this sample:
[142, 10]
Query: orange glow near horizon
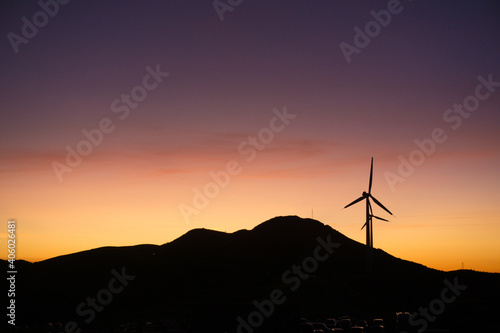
[437, 230]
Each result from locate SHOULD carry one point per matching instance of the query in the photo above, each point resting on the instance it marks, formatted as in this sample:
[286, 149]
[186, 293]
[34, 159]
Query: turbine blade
[379, 218]
[382, 206]
[355, 201]
[364, 225]
[371, 178]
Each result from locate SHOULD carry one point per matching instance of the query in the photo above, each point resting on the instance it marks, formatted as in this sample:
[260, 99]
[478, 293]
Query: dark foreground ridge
[259, 280]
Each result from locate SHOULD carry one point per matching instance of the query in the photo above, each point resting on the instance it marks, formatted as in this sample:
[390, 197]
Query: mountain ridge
[205, 266]
[268, 228]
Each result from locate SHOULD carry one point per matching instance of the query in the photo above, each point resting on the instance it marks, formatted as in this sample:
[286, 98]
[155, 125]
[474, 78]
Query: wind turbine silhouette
[369, 218]
[371, 225]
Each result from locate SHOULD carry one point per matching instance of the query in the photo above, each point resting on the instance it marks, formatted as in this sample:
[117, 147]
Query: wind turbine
[371, 225]
[369, 217]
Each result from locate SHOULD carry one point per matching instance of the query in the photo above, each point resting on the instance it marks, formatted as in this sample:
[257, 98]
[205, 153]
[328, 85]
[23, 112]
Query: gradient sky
[225, 79]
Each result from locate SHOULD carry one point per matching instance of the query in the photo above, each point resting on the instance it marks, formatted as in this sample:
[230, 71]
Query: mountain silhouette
[205, 279]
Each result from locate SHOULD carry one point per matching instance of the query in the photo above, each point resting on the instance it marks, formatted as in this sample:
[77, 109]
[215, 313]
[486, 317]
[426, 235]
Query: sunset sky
[285, 102]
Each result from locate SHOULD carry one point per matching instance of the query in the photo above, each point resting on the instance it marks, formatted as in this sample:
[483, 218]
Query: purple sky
[225, 78]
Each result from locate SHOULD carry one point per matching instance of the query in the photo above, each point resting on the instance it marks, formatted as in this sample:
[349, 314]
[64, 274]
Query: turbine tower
[371, 225]
[369, 218]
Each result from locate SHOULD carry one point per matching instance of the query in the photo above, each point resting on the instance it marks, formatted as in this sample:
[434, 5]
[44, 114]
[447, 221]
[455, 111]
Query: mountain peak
[289, 221]
[296, 228]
